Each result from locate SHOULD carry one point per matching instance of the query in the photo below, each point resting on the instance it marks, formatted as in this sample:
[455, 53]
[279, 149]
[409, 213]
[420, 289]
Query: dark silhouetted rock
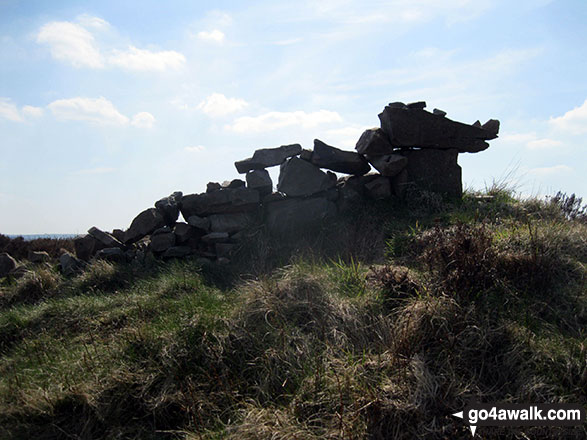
[118, 234]
[143, 224]
[374, 142]
[177, 252]
[388, 165]
[299, 178]
[438, 112]
[201, 223]
[435, 170]
[230, 222]
[261, 181]
[400, 183]
[169, 207]
[297, 214]
[235, 183]
[113, 254]
[86, 247]
[397, 104]
[215, 237]
[213, 186]
[492, 126]
[306, 155]
[162, 241]
[183, 232]
[335, 159]
[38, 256]
[351, 192]
[422, 129]
[224, 249]
[104, 237]
[417, 105]
[378, 188]
[220, 202]
[268, 157]
[69, 264]
[7, 264]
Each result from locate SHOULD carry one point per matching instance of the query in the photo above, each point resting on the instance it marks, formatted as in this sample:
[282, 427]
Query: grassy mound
[369, 329]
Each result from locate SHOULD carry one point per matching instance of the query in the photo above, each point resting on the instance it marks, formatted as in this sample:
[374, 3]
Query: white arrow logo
[473, 428]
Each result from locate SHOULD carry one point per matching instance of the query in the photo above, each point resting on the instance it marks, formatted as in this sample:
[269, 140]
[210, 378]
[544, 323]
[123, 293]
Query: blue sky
[106, 106]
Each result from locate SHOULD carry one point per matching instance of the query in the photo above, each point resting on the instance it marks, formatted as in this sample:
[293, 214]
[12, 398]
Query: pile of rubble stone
[412, 147]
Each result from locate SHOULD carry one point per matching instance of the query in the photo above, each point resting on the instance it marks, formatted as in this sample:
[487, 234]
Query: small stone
[306, 155]
[235, 183]
[38, 256]
[213, 186]
[7, 264]
[438, 112]
[169, 207]
[260, 180]
[397, 104]
[420, 105]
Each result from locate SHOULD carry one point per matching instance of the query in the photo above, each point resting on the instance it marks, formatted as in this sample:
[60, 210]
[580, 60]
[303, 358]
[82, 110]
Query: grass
[379, 332]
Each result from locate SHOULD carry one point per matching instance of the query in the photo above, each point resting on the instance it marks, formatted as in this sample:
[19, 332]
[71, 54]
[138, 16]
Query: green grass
[368, 329]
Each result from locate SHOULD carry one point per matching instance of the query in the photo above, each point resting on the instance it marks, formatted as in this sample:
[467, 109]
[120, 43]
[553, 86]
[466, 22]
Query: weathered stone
[374, 142]
[388, 165]
[235, 183]
[224, 249]
[177, 252]
[422, 129]
[378, 188]
[306, 155]
[118, 234]
[169, 207]
[163, 230]
[492, 126]
[69, 264]
[397, 104]
[273, 197]
[290, 215]
[112, 254]
[260, 180]
[213, 186]
[38, 256]
[335, 159]
[86, 247]
[143, 224]
[215, 237]
[7, 264]
[268, 157]
[220, 202]
[230, 222]
[202, 223]
[417, 105]
[400, 183]
[438, 112]
[350, 192]
[104, 237]
[162, 242]
[298, 178]
[435, 170]
[183, 232]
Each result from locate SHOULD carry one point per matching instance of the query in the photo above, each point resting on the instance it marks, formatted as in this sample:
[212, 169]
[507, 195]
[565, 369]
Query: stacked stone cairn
[413, 147]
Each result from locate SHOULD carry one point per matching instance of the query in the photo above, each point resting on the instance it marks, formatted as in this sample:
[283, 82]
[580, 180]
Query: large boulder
[7, 264]
[38, 256]
[378, 188]
[69, 264]
[231, 222]
[184, 232]
[260, 180]
[162, 241]
[112, 254]
[374, 142]
[86, 247]
[435, 170]
[220, 202]
[143, 224]
[292, 215]
[415, 127]
[105, 238]
[169, 207]
[268, 157]
[200, 223]
[389, 165]
[299, 178]
[335, 159]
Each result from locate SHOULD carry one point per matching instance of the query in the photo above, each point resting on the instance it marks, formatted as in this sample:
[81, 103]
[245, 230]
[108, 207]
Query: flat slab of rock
[201, 223]
[143, 224]
[105, 238]
[299, 178]
[435, 170]
[38, 256]
[374, 142]
[388, 165]
[335, 159]
[268, 157]
[231, 222]
[260, 180]
[169, 207]
[220, 202]
[113, 254]
[215, 237]
[86, 247]
[7, 264]
[415, 127]
[297, 214]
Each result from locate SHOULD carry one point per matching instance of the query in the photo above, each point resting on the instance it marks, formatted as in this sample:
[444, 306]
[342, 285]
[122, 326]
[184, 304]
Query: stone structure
[413, 147]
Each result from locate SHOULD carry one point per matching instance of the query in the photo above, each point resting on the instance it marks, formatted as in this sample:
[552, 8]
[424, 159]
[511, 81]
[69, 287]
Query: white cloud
[542, 144]
[195, 149]
[31, 111]
[288, 42]
[72, 43]
[89, 21]
[9, 111]
[95, 110]
[93, 171]
[557, 169]
[141, 59]
[215, 36]
[143, 120]
[574, 121]
[219, 105]
[275, 120]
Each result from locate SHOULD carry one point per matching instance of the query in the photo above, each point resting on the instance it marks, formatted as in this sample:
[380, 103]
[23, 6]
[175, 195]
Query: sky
[108, 106]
